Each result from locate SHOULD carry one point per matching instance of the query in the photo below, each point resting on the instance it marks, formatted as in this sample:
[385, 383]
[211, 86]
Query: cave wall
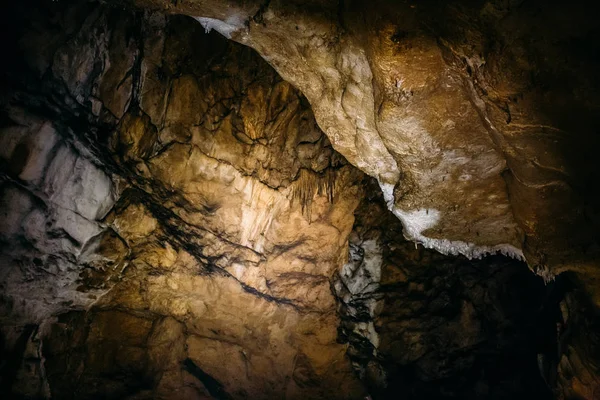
[443, 327]
[231, 214]
[175, 222]
[387, 81]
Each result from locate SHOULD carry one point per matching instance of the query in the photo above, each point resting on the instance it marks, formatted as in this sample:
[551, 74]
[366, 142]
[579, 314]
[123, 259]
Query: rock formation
[236, 200]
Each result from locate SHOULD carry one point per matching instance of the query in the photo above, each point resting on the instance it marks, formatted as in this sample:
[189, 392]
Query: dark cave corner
[449, 327]
[187, 216]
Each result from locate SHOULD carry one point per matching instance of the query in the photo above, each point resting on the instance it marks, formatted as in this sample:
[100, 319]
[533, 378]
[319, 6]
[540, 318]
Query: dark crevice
[12, 359]
[214, 387]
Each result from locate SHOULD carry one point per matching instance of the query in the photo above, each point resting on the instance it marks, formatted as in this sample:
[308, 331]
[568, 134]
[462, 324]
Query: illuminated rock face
[233, 152]
[52, 200]
[456, 109]
[225, 216]
[171, 183]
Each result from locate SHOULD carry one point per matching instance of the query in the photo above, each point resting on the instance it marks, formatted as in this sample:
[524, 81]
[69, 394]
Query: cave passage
[299, 200]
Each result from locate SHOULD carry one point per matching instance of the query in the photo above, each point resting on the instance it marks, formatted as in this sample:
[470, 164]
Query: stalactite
[309, 184]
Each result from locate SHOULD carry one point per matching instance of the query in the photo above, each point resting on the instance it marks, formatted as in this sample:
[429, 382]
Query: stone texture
[228, 214]
[431, 326]
[52, 200]
[176, 222]
[453, 110]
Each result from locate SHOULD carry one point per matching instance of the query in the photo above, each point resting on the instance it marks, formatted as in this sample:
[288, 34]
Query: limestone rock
[176, 220]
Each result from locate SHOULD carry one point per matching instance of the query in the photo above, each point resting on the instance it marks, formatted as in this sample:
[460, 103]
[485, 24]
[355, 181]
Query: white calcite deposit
[415, 222]
[48, 216]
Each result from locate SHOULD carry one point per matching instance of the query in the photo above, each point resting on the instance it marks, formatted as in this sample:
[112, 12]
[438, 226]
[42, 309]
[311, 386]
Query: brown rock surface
[175, 221]
[233, 215]
[477, 141]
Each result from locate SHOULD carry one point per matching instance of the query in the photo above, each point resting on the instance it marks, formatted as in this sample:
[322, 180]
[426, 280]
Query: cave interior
[243, 199]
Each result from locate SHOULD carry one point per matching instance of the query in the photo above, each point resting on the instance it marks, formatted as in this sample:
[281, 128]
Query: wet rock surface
[174, 221]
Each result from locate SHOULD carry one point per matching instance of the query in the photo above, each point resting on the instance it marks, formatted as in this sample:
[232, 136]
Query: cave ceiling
[299, 199]
[476, 125]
